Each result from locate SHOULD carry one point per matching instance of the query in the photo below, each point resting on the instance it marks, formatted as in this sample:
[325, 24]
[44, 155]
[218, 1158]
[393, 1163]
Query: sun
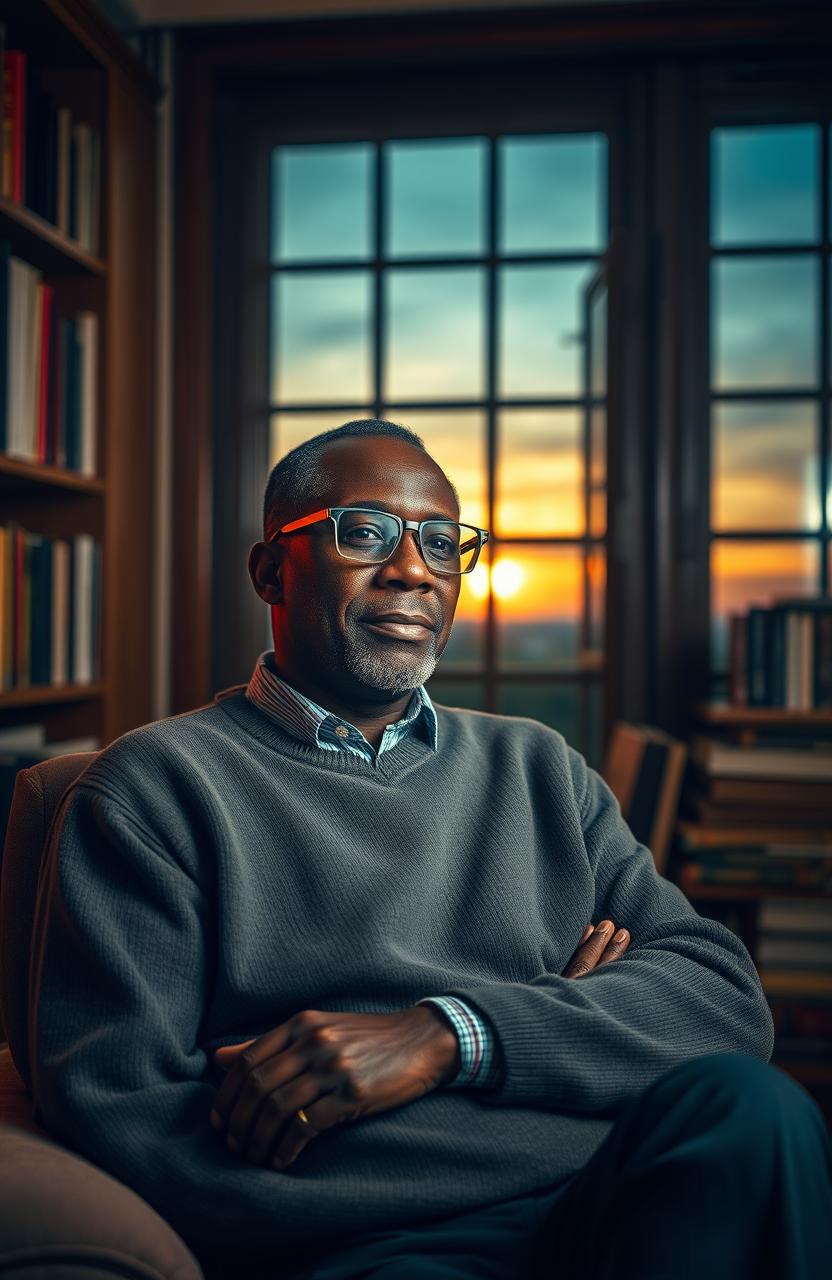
[507, 578]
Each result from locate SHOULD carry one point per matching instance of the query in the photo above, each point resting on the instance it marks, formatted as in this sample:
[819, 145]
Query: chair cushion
[61, 1215]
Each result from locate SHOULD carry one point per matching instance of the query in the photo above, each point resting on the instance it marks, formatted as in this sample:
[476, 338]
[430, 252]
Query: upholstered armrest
[61, 1215]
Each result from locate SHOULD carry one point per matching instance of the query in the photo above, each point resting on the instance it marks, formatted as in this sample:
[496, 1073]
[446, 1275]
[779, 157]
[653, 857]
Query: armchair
[61, 1217]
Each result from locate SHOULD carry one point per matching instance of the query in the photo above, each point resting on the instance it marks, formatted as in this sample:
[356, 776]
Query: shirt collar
[313, 724]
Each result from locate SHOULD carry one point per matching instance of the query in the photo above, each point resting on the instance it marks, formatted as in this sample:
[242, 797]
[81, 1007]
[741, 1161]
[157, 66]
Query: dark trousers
[720, 1170]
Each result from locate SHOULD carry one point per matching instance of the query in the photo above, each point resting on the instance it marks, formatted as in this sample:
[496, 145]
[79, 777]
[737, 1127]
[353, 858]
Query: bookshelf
[763, 864]
[83, 67]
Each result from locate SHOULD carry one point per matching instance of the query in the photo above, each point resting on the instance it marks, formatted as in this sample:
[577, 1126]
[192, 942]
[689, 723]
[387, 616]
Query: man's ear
[264, 568]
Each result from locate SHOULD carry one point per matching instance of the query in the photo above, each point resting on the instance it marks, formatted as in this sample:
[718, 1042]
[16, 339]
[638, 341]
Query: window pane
[321, 201]
[286, 430]
[538, 597]
[457, 440]
[765, 322]
[540, 472]
[320, 337]
[829, 484]
[435, 325]
[598, 325]
[596, 589]
[465, 647]
[765, 466]
[436, 197]
[765, 185]
[598, 472]
[553, 193]
[746, 573]
[552, 704]
[456, 693]
[540, 340]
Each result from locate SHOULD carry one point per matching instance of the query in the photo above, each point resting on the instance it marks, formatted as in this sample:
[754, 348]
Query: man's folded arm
[120, 972]
[686, 986]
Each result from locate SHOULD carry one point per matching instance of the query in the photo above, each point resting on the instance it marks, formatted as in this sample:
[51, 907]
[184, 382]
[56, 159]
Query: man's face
[326, 626]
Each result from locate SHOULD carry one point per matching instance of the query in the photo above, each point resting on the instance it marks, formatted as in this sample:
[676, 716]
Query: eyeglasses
[373, 536]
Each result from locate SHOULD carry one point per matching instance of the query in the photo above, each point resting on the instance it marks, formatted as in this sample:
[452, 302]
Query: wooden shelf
[35, 695]
[727, 715]
[86, 66]
[42, 244]
[38, 477]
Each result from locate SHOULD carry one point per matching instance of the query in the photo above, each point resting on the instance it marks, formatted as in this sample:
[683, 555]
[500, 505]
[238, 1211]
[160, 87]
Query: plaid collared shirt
[312, 724]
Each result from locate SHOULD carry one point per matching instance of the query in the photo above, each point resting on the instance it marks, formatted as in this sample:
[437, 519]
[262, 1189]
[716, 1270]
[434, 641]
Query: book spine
[43, 389]
[4, 343]
[822, 694]
[758, 625]
[14, 125]
[777, 658]
[737, 660]
[63, 169]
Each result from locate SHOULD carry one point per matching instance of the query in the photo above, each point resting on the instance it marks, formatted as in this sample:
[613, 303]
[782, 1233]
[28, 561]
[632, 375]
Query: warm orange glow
[507, 578]
[745, 573]
[541, 473]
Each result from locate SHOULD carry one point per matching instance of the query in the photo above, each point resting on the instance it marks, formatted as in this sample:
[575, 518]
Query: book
[792, 951]
[697, 835]
[809, 875]
[717, 759]
[770, 792]
[758, 650]
[746, 815]
[14, 125]
[64, 131]
[87, 323]
[59, 665]
[5, 253]
[792, 914]
[737, 660]
[83, 553]
[47, 293]
[643, 767]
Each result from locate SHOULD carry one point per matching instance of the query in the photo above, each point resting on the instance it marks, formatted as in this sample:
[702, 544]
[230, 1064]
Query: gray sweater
[209, 876]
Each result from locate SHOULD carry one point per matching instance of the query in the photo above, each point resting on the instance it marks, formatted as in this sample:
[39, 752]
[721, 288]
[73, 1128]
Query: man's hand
[596, 948]
[336, 1067]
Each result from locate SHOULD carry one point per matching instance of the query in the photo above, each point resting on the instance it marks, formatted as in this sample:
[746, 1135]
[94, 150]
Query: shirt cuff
[476, 1043]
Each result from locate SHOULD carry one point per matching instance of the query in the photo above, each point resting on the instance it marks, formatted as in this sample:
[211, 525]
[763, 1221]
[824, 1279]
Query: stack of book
[780, 782]
[51, 162]
[48, 372]
[50, 589]
[794, 958]
[758, 818]
[781, 655]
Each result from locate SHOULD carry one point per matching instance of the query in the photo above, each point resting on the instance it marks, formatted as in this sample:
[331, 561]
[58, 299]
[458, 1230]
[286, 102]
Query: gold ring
[303, 1117]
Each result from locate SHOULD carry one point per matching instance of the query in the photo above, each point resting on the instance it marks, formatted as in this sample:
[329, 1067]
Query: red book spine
[45, 352]
[14, 120]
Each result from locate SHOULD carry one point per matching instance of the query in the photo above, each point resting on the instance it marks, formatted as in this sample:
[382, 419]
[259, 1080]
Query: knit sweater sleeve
[121, 974]
[686, 986]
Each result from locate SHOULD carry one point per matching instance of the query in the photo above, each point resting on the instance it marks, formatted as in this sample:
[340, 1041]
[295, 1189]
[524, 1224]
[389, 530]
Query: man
[247, 906]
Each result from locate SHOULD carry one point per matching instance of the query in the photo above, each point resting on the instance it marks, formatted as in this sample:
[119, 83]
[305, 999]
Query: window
[456, 285]
[769, 369]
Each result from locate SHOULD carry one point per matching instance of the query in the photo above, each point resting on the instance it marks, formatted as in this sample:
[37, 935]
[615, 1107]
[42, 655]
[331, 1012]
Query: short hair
[296, 473]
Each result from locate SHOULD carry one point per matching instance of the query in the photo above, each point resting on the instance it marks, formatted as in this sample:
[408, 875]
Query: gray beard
[391, 672]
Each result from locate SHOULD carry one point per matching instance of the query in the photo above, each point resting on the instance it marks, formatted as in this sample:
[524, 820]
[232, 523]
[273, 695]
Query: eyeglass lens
[448, 547]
